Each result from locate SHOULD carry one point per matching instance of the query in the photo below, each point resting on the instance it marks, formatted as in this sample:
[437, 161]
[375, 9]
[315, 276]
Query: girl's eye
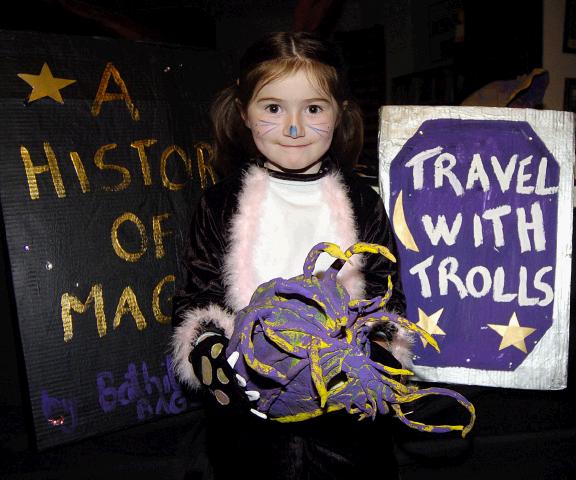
[273, 108]
[314, 109]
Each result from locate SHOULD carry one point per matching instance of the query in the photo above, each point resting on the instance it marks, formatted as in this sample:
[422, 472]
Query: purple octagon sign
[474, 206]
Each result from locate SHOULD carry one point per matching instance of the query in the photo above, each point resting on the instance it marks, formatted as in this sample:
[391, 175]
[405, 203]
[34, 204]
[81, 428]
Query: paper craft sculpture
[304, 346]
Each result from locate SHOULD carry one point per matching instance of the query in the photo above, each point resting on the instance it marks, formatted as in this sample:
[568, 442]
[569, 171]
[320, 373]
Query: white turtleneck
[295, 216]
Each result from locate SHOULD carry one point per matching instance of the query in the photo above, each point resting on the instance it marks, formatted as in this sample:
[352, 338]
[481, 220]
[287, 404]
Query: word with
[204, 154]
[445, 162]
[494, 217]
[59, 412]
[152, 395]
[447, 273]
[128, 303]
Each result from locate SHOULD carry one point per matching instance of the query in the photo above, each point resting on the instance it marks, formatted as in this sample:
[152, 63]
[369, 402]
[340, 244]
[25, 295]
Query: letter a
[103, 95]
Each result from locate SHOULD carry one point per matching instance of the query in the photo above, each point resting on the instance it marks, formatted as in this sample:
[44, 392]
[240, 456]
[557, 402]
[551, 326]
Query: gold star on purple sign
[513, 334]
[45, 84]
[429, 323]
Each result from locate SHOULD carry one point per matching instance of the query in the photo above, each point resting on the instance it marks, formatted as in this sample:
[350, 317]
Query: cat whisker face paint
[264, 127]
[320, 128]
[292, 122]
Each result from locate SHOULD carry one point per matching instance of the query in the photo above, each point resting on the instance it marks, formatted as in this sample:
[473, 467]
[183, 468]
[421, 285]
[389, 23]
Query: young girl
[289, 127]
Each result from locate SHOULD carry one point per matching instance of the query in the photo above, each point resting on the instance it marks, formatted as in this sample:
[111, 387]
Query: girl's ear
[242, 112]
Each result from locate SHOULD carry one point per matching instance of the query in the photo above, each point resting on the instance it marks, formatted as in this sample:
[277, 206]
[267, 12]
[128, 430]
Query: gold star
[45, 85]
[429, 323]
[513, 334]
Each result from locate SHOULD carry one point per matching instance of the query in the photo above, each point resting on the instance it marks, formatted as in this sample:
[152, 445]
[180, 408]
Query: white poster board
[480, 200]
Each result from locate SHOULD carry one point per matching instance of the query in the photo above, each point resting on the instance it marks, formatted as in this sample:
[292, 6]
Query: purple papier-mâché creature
[304, 346]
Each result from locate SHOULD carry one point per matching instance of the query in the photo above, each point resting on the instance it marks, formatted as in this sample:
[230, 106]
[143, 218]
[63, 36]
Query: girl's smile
[292, 122]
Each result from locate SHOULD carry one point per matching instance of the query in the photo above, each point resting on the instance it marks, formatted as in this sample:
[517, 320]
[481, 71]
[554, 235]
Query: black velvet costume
[334, 445]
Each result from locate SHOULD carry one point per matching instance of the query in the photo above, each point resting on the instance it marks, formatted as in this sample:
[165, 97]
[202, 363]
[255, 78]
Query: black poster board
[103, 153]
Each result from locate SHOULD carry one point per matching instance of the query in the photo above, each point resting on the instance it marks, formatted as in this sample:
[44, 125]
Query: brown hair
[275, 56]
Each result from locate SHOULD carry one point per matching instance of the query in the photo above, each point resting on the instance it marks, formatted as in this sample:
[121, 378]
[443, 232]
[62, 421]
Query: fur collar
[239, 274]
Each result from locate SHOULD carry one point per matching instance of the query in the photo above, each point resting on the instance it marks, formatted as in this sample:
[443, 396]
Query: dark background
[425, 52]
[418, 52]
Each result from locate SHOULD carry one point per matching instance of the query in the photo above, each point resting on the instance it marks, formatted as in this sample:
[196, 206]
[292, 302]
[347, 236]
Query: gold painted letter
[160, 316]
[99, 162]
[159, 234]
[80, 171]
[164, 160]
[141, 146]
[103, 95]
[120, 251]
[33, 170]
[70, 302]
[129, 304]
[205, 164]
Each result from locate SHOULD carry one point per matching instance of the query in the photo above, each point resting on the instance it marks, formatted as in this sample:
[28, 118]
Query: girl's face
[292, 123]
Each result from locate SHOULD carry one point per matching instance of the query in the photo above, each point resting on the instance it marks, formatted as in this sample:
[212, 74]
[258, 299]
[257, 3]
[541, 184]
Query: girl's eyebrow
[306, 100]
[317, 99]
[269, 99]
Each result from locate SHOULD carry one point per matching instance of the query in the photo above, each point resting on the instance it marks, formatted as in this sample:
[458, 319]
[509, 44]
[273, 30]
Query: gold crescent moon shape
[401, 227]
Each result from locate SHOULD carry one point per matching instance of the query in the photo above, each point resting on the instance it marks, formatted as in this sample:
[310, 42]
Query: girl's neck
[314, 168]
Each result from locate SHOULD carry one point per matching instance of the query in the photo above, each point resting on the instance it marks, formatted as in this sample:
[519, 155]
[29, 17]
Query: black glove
[215, 371]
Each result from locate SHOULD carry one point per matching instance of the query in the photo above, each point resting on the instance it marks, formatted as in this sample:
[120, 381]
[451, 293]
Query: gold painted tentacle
[362, 247]
[422, 426]
[396, 387]
[420, 331]
[388, 293]
[330, 248]
[394, 371]
[316, 372]
[431, 428]
[282, 343]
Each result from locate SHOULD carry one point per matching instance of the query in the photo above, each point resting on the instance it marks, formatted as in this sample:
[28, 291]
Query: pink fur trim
[185, 335]
[239, 273]
[334, 191]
